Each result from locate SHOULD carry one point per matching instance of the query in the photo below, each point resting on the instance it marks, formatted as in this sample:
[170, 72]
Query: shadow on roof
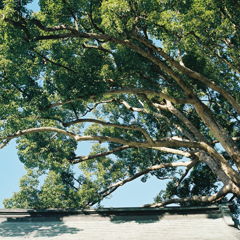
[13, 228]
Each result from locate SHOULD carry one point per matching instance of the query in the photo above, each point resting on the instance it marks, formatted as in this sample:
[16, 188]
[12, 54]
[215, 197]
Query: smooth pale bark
[219, 132]
[188, 123]
[214, 166]
[173, 151]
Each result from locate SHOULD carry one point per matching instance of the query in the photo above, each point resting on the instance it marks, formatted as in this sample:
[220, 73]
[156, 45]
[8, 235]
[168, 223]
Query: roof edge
[224, 208]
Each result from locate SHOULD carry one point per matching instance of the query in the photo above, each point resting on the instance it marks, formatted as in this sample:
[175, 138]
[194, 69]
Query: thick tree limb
[220, 133]
[215, 197]
[55, 36]
[184, 120]
[169, 107]
[173, 151]
[215, 167]
[184, 131]
[225, 166]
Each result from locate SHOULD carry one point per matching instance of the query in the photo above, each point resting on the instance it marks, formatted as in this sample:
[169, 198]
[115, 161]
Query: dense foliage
[156, 82]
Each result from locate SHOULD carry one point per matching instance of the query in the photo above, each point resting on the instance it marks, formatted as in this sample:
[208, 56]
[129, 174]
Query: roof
[168, 223]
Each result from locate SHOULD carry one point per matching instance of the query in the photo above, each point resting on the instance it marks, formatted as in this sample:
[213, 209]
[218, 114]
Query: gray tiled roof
[119, 223]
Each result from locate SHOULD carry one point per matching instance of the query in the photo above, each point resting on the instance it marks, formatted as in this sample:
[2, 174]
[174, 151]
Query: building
[168, 223]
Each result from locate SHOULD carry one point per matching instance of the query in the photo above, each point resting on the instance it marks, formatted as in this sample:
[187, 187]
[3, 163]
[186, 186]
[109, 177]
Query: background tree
[161, 79]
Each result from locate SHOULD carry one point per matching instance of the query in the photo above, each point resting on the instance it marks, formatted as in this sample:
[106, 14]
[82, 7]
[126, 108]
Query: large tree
[160, 78]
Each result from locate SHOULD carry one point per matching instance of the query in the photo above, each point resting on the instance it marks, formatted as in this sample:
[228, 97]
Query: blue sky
[133, 194]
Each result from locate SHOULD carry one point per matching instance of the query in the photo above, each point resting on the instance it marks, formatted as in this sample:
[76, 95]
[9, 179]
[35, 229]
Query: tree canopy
[154, 85]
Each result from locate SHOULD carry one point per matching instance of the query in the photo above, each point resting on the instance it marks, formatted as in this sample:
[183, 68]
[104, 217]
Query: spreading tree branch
[145, 171]
[205, 199]
[122, 126]
[126, 91]
[188, 72]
